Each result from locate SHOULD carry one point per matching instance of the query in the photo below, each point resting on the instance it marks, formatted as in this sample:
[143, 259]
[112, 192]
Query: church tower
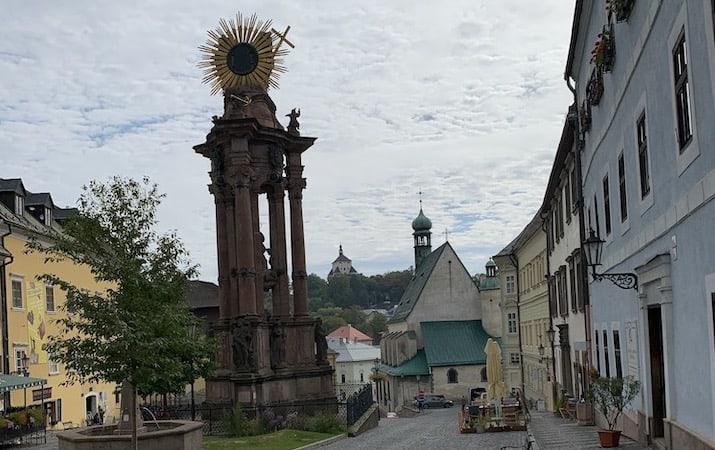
[423, 237]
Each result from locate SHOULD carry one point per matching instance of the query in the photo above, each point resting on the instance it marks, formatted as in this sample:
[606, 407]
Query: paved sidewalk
[554, 433]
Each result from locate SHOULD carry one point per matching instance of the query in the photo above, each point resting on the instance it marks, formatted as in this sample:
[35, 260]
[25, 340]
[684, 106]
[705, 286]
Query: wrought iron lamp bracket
[622, 280]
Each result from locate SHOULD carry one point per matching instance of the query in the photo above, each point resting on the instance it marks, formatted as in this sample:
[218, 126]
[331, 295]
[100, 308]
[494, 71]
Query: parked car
[435, 401]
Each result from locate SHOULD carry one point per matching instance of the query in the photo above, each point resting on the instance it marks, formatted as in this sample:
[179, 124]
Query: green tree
[339, 292]
[317, 292]
[137, 330]
[376, 326]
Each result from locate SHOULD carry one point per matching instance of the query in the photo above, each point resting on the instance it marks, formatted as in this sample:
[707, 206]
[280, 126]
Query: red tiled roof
[349, 333]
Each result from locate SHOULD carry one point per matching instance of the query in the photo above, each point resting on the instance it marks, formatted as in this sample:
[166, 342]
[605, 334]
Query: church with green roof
[436, 336]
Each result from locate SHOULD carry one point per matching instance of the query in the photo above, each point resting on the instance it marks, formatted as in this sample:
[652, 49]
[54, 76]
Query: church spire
[422, 235]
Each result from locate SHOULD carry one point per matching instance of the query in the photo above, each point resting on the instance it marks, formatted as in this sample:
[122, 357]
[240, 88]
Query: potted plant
[620, 8]
[611, 396]
[604, 50]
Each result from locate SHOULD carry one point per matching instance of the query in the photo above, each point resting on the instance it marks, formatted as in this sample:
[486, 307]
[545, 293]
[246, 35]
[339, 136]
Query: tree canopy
[137, 327]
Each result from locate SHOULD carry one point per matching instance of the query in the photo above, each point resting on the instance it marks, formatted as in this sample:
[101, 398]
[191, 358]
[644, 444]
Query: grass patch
[280, 440]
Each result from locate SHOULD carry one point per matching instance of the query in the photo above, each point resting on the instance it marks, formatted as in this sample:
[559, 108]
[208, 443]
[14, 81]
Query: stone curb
[327, 441]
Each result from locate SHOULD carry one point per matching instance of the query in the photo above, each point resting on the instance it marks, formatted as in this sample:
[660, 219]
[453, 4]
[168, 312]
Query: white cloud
[462, 99]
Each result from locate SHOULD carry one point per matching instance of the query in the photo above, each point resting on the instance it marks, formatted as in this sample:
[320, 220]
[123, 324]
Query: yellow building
[526, 254]
[33, 307]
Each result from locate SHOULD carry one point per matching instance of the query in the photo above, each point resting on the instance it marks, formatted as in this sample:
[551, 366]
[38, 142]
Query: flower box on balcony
[603, 54]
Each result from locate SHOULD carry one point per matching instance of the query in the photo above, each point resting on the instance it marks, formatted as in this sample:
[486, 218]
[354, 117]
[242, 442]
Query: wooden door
[657, 369]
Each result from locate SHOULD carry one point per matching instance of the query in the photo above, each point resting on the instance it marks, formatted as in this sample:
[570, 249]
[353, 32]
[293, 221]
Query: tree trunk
[133, 418]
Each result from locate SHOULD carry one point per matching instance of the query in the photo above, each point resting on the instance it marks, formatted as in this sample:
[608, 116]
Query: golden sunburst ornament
[244, 52]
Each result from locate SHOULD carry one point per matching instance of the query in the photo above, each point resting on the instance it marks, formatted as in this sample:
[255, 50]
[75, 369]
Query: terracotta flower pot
[609, 438]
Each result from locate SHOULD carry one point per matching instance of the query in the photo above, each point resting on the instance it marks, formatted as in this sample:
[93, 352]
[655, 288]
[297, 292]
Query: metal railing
[358, 404]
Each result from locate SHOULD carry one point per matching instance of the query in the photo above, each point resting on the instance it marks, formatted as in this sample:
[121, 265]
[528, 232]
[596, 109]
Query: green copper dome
[421, 222]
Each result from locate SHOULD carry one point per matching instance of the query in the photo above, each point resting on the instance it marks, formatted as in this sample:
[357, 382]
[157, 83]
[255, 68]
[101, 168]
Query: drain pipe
[545, 228]
[3, 304]
[515, 262]
[582, 234]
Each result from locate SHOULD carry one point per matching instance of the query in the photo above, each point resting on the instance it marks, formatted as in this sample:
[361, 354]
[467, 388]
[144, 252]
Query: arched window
[483, 373]
[361, 378]
[452, 376]
[342, 378]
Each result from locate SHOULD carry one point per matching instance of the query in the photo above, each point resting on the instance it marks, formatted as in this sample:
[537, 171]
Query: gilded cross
[420, 194]
[446, 234]
[282, 38]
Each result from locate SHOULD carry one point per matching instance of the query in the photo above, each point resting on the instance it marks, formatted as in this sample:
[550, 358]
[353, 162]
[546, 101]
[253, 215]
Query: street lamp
[594, 251]
[541, 351]
[550, 333]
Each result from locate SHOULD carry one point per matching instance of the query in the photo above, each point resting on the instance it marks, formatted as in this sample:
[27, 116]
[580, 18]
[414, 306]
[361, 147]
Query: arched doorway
[90, 402]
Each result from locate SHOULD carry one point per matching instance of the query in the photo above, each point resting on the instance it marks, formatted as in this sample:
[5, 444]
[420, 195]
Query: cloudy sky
[463, 100]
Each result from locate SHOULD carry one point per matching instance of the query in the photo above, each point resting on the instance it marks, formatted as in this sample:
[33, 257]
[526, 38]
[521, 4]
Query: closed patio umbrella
[495, 375]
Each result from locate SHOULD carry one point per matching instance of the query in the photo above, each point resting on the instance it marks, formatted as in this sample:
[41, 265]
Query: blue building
[647, 134]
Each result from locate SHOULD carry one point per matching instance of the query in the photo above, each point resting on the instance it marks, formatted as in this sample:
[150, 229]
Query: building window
[562, 291]
[617, 353]
[48, 217]
[553, 306]
[483, 374]
[598, 355]
[49, 297]
[452, 376]
[19, 205]
[514, 358]
[572, 281]
[567, 194]
[574, 187]
[510, 284]
[342, 378]
[622, 187]
[16, 293]
[643, 155]
[606, 362]
[578, 289]
[53, 367]
[20, 355]
[682, 96]
[511, 322]
[712, 295]
[595, 215]
[362, 378]
[560, 213]
[606, 206]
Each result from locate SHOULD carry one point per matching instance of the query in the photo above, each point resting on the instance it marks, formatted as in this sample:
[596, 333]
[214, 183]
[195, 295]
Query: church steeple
[422, 235]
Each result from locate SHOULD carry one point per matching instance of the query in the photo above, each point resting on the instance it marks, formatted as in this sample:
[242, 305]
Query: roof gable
[454, 342]
[417, 284]
[349, 333]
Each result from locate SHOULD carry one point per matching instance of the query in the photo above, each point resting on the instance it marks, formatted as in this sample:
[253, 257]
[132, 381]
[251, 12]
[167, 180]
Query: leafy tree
[317, 292]
[137, 329]
[339, 292]
[376, 326]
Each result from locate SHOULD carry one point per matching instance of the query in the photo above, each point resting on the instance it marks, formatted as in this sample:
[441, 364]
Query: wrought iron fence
[358, 403]
[217, 418]
[27, 434]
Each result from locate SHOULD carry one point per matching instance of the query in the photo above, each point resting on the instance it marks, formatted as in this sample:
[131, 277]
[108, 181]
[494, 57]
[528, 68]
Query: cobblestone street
[433, 429]
[553, 433]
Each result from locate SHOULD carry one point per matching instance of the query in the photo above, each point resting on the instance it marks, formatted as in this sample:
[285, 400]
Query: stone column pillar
[219, 193]
[231, 265]
[279, 261]
[245, 248]
[260, 251]
[296, 184]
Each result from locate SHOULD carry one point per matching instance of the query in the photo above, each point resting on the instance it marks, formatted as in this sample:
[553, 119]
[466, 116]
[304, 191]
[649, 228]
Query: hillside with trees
[339, 300]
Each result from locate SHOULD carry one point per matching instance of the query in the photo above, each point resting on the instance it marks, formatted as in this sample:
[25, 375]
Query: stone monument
[275, 357]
